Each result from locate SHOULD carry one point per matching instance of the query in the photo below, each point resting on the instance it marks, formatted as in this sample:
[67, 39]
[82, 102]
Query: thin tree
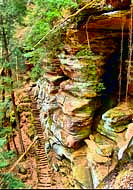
[11, 14]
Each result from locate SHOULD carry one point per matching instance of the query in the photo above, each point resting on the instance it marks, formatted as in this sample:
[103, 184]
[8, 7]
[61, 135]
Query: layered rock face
[78, 100]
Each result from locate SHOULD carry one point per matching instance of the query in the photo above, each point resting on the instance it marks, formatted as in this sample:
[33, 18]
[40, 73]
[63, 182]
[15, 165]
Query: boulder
[81, 170]
[66, 138]
[77, 106]
[81, 89]
[115, 121]
[52, 66]
[115, 134]
[99, 159]
[119, 115]
[71, 124]
[83, 69]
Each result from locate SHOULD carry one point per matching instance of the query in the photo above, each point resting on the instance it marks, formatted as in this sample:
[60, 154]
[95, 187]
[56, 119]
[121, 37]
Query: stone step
[40, 146]
[43, 173]
[39, 130]
[42, 165]
[38, 127]
[39, 135]
[36, 115]
[43, 178]
[44, 161]
[42, 155]
[37, 122]
[35, 111]
[41, 142]
[44, 182]
[40, 150]
[43, 186]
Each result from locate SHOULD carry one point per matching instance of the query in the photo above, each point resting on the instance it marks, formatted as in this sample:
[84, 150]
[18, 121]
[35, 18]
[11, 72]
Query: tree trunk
[17, 121]
[3, 53]
[8, 144]
[8, 72]
[16, 149]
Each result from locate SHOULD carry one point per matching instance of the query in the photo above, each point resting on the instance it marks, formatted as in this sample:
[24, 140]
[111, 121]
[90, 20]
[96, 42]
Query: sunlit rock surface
[115, 120]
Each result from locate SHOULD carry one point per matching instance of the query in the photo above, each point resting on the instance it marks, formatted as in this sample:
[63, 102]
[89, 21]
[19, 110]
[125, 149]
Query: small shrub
[84, 52]
[10, 181]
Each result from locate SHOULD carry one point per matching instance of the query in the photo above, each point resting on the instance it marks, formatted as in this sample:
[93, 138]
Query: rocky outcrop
[120, 178]
[115, 121]
[78, 99]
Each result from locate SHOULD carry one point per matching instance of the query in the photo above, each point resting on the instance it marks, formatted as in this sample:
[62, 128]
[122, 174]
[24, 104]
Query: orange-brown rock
[87, 89]
[75, 106]
[111, 21]
[71, 124]
[82, 69]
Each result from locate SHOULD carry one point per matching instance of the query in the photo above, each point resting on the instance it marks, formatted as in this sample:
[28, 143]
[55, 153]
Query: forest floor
[26, 170]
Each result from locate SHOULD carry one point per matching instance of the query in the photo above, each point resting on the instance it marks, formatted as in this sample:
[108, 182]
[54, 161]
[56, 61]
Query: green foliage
[12, 117]
[100, 87]
[84, 52]
[13, 8]
[3, 162]
[6, 131]
[10, 181]
[4, 108]
[3, 141]
[11, 14]
[41, 20]
[36, 72]
[5, 156]
[35, 57]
